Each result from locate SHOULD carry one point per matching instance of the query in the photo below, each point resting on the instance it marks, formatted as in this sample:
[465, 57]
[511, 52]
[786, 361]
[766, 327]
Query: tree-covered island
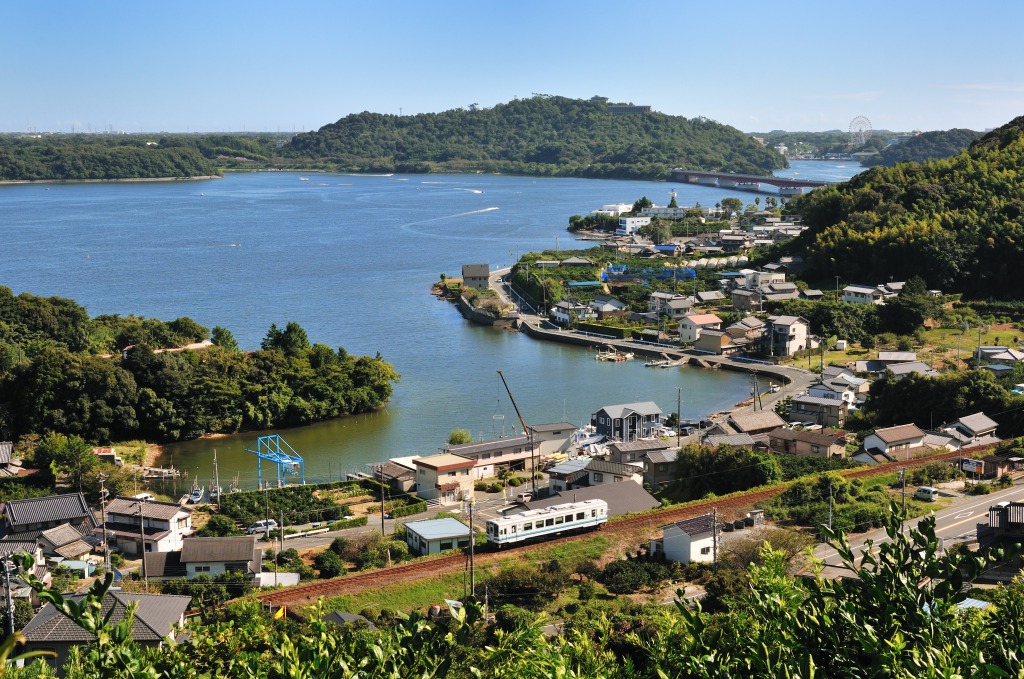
[125, 377]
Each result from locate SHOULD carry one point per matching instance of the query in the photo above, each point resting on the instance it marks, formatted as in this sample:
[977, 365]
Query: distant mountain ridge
[958, 222]
[542, 135]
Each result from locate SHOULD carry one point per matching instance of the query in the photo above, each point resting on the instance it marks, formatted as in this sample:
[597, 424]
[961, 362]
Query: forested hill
[958, 223]
[77, 157]
[926, 146]
[542, 135]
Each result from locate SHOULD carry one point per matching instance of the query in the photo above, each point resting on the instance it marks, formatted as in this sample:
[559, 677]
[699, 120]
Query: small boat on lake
[614, 356]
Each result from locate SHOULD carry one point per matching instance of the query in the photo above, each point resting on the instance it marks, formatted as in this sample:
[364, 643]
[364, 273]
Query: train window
[549, 522]
[558, 520]
[528, 526]
[514, 529]
[568, 518]
[580, 516]
[593, 512]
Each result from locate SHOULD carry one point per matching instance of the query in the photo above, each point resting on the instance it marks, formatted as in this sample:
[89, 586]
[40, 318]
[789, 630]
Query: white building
[207, 556]
[164, 525]
[690, 327]
[630, 225]
[567, 313]
[614, 209]
[434, 536]
[445, 477]
[863, 294]
[688, 541]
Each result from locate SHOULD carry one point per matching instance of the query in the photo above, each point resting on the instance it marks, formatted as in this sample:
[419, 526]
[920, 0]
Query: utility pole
[8, 601]
[280, 528]
[903, 481]
[216, 476]
[142, 541]
[714, 536]
[679, 424]
[831, 498]
[380, 469]
[472, 544]
[103, 521]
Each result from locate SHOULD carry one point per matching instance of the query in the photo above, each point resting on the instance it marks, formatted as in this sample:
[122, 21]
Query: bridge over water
[787, 186]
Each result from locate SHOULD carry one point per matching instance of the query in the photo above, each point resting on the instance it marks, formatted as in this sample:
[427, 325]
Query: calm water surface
[351, 259]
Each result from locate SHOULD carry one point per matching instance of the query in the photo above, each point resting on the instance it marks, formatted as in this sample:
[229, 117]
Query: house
[160, 526]
[690, 327]
[600, 472]
[659, 467]
[688, 541]
[863, 294]
[433, 536]
[606, 306]
[445, 477]
[710, 297]
[64, 541]
[901, 441]
[786, 335]
[576, 261]
[837, 389]
[9, 466]
[741, 336]
[566, 313]
[28, 518]
[812, 295]
[108, 456]
[398, 473]
[889, 358]
[622, 498]
[826, 443]
[755, 423]
[516, 453]
[1005, 520]
[746, 301]
[670, 304]
[976, 428]
[916, 367]
[998, 354]
[207, 556]
[828, 412]
[631, 225]
[628, 421]
[626, 452]
[734, 440]
[156, 617]
[568, 475]
[553, 437]
[476, 276]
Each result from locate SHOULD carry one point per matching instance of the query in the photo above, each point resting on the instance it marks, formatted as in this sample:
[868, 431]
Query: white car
[262, 527]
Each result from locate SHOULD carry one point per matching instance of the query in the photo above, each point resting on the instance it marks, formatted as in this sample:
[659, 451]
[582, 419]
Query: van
[926, 493]
[262, 527]
[145, 497]
[524, 497]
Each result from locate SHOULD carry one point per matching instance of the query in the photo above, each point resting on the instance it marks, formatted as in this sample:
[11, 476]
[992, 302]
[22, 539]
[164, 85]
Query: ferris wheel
[860, 130]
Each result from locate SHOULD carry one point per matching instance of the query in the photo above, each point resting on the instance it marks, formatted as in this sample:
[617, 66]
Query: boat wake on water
[407, 227]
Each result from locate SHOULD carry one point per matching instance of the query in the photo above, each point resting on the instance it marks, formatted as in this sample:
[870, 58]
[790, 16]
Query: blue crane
[287, 460]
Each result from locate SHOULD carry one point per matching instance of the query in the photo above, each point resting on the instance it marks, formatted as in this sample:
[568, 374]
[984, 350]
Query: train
[541, 524]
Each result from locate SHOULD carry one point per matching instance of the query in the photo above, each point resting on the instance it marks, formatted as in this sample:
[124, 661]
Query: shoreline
[128, 180]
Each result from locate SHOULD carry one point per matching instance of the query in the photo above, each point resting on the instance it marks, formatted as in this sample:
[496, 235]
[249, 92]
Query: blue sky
[267, 66]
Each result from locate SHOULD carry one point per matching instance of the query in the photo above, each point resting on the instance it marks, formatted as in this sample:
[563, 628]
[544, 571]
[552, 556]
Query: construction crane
[529, 435]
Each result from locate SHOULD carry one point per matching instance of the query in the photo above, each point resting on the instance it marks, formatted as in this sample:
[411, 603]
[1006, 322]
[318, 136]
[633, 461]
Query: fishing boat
[614, 356]
[197, 495]
[656, 363]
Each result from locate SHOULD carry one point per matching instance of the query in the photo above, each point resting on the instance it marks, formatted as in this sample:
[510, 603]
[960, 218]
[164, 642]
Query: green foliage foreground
[896, 617]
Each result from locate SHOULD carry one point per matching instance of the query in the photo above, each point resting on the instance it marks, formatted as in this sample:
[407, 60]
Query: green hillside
[926, 146]
[543, 135]
[958, 223]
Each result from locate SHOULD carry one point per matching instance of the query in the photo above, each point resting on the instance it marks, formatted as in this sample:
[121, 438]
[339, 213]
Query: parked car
[145, 497]
[926, 493]
[262, 527]
[524, 497]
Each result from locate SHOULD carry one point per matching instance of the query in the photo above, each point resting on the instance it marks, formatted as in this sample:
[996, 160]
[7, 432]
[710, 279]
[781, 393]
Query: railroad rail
[357, 582]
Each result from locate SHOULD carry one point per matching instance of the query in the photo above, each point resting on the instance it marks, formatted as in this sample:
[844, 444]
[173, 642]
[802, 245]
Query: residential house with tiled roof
[900, 442]
[476, 276]
[626, 452]
[207, 556]
[826, 412]
[30, 517]
[490, 456]
[824, 443]
[64, 541]
[786, 335]
[688, 541]
[157, 616]
[160, 526]
[691, 326]
[601, 472]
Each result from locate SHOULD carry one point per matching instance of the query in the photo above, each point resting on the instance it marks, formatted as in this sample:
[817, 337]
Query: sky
[225, 66]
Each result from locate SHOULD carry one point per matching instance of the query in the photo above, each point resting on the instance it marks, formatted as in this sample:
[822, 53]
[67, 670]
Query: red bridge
[745, 182]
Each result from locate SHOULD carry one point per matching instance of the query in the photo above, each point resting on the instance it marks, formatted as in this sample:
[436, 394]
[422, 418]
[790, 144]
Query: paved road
[954, 524]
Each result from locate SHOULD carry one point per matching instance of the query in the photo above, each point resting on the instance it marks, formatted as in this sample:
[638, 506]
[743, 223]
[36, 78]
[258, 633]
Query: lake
[351, 259]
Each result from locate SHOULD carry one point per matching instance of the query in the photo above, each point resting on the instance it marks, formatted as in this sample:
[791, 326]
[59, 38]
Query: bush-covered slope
[543, 135]
[958, 223]
[71, 157]
[926, 146]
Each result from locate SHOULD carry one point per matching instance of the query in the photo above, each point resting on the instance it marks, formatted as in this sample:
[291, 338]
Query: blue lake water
[351, 259]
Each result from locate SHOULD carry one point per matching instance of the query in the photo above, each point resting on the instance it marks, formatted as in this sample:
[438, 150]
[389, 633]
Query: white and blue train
[539, 524]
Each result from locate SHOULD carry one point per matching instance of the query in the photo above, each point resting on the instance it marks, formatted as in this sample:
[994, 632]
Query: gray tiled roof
[70, 507]
[485, 446]
[715, 440]
[73, 549]
[622, 498]
[978, 422]
[638, 445]
[624, 409]
[604, 467]
[756, 421]
[127, 506]
[164, 565]
[218, 549]
[661, 456]
[554, 426]
[6, 451]
[8, 547]
[61, 535]
[699, 525]
[154, 618]
[340, 618]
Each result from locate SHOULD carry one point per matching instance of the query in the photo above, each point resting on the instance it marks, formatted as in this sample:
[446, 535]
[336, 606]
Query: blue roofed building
[433, 536]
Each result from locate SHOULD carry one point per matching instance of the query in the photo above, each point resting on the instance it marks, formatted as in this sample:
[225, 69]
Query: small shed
[433, 536]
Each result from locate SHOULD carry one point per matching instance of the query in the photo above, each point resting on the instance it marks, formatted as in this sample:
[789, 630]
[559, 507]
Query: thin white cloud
[986, 87]
[844, 96]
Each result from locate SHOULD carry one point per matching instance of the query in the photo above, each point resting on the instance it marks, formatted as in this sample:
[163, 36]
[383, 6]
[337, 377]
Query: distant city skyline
[261, 66]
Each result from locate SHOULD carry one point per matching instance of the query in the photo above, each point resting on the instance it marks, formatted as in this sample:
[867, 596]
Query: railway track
[414, 570]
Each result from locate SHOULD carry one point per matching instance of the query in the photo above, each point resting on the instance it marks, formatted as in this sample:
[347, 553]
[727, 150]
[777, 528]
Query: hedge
[348, 523]
[406, 510]
[611, 331]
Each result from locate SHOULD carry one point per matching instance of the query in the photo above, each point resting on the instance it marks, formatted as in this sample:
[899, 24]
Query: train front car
[542, 524]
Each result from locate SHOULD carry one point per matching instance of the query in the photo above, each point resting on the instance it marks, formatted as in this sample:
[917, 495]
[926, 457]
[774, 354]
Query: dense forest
[925, 146]
[89, 157]
[542, 135]
[957, 223]
[109, 378]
